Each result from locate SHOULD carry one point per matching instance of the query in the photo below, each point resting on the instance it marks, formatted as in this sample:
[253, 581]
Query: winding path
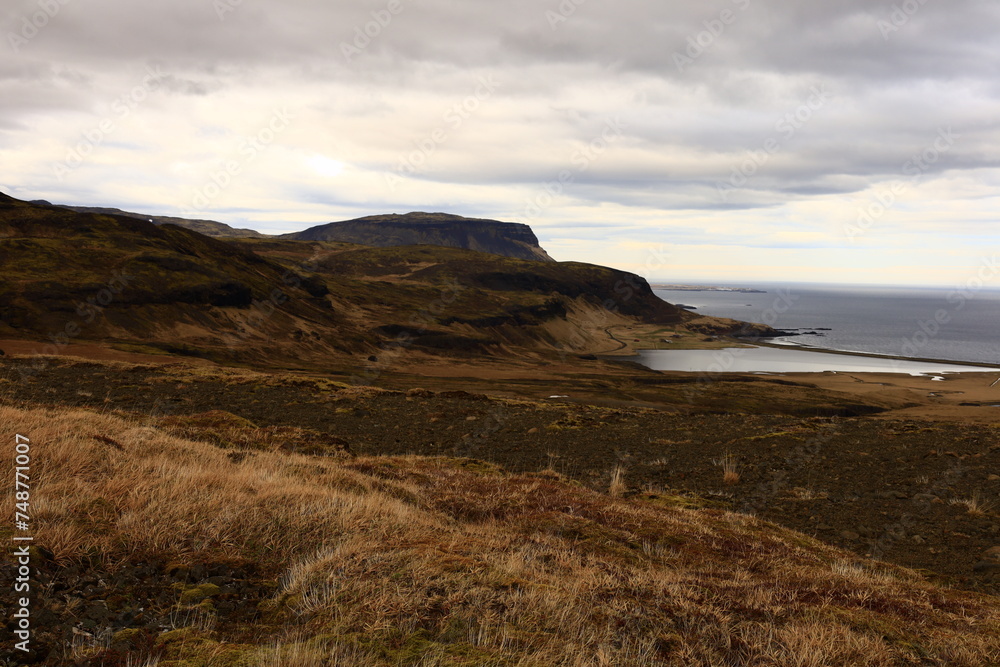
[621, 344]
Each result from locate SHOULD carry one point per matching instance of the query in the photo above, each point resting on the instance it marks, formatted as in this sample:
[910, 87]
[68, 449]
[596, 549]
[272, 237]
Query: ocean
[955, 324]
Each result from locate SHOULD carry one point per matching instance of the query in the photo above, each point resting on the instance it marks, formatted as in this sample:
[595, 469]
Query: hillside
[160, 288]
[259, 452]
[201, 541]
[499, 238]
[206, 227]
[86, 276]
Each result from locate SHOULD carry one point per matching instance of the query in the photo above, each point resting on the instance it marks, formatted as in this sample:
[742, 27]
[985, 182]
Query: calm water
[911, 322]
[770, 360]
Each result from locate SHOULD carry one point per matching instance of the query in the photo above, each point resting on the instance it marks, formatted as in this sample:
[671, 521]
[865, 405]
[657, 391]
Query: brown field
[177, 541]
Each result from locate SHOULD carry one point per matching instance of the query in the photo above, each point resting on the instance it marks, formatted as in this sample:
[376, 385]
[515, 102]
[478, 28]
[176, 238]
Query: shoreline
[875, 355]
[871, 355]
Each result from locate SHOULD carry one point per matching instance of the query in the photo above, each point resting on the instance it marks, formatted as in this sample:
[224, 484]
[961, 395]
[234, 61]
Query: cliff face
[499, 238]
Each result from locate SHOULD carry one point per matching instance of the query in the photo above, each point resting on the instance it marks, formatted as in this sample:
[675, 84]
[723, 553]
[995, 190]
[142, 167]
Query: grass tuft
[618, 487]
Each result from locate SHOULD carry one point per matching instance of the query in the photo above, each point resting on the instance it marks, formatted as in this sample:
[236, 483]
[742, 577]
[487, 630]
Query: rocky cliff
[499, 238]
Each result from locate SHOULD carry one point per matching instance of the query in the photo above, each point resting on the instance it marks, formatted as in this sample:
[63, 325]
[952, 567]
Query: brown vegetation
[434, 561]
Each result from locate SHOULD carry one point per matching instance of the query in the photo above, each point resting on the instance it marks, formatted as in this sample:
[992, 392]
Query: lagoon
[772, 360]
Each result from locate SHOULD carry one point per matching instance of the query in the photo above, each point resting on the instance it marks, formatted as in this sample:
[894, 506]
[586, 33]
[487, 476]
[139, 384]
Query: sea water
[771, 360]
[956, 324]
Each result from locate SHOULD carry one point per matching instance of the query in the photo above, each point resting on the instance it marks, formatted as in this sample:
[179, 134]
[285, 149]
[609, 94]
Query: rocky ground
[922, 494]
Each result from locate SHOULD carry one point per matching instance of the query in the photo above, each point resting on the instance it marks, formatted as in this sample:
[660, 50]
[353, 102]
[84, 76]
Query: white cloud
[413, 104]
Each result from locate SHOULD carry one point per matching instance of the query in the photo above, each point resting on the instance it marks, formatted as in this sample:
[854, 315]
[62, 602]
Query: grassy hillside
[204, 550]
[206, 227]
[85, 276]
[615, 290]
[139, 286]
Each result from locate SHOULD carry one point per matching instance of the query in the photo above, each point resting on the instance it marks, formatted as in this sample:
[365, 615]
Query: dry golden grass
[976, 505]
[730, 471]
[417, 561]
[618, 487]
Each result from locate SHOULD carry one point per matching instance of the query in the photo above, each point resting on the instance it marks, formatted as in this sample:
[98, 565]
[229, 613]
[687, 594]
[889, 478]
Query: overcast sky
[718, 140]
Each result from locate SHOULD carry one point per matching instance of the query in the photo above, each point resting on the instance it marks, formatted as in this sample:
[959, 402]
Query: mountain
[206, 227]
[499, 238]
[70, 277]
[123, 281]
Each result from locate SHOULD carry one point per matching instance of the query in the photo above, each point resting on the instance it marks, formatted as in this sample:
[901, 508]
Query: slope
[87, 276]
[206, 227]
[160, 548]
[128, 282]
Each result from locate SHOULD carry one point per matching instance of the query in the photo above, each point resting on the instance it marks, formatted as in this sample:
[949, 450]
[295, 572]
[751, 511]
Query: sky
[710, 142]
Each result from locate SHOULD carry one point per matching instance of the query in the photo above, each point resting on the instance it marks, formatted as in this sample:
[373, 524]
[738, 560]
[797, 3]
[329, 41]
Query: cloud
[721, 130]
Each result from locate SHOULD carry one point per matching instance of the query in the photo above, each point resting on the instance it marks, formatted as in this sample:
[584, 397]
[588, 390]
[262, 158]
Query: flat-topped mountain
[509, 239]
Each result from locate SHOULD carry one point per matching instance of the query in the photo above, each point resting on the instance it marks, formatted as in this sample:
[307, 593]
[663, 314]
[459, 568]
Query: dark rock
[986, 567]
[97, 611]
[442, 229]
[463, 395]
